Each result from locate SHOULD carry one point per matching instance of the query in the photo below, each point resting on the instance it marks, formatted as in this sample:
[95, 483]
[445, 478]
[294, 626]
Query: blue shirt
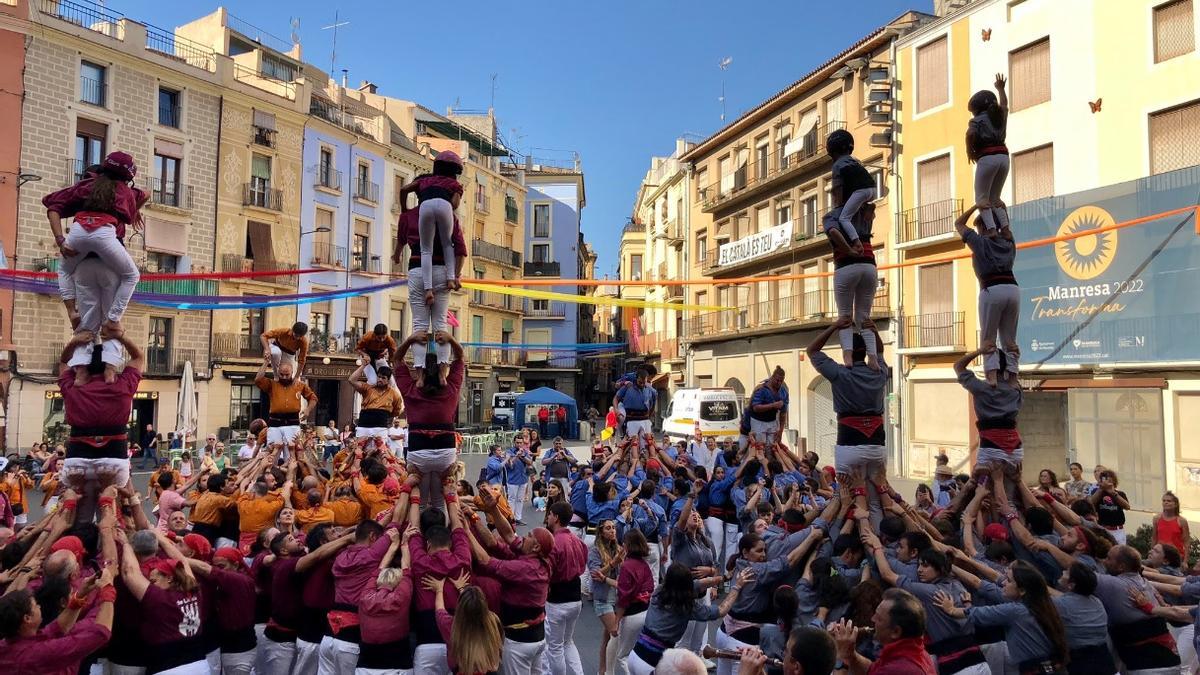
[652, 522]
[578, 497]
[763, 395]
[635, 398]
[516, 473]
[494, 472]
[718, 491]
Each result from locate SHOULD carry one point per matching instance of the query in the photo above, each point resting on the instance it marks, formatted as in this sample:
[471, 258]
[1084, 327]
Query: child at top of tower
[986, 133]
[102, 203]
[853, 185]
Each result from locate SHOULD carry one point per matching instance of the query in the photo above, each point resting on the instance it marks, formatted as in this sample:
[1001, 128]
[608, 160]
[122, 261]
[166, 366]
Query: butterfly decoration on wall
[987, 34]
[1095, 106]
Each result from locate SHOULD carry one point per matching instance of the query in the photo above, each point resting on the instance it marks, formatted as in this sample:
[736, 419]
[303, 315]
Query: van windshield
[718, 411]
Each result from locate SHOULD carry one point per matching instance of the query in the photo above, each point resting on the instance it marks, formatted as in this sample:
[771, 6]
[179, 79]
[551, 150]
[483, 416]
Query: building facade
[14, 26]
[1094, 131]
[761, 186]
[97, 82]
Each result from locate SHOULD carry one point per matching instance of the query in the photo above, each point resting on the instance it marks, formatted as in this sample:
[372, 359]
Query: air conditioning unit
[878, 74]
[881, 140]
[879, 95]
[879, 118]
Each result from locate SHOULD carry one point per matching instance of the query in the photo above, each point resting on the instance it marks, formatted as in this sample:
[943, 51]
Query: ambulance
[715, 410]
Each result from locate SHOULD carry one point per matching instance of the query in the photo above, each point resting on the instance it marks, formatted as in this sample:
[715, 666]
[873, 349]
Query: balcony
[264, 137]
[674, 233]
[494, 356]
[543, 269]
[366, 190]
[366, 264]
[74, 172]
[397, 205]
[633, 228]
[329, 255]
[167, 361]
[86, 14]
[933, 221]
[495, 300]
[328, 178]
[806, 310]
[176, 48]
[495, 253]
[320, 342]
[262, 196]
[330, 112]
[674, 293]
[511, 213]
[188, 287]
[662, 270]
[802, 153]
[232, 262]
[940, 332]
[482, 203]
[175, 195]
[545, 309]
[236, 346]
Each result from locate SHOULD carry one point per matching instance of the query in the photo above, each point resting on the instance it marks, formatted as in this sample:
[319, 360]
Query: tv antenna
[335, 26]
[493, 90]
[723, 64]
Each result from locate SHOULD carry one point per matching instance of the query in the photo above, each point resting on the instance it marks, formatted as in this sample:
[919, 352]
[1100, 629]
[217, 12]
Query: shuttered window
[1173, 135]
[1174, 32]
[933, 176]
[264, 120]
[1033, 174]
[1029, 75]
[936, 289]
[933, 75]
[258, 241]
[835, 109]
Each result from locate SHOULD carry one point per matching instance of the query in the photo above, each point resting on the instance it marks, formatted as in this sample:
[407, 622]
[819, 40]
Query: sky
[616, 81]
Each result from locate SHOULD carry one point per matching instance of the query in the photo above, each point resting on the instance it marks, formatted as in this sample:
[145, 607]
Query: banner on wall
[756, 245]
[1124, 295]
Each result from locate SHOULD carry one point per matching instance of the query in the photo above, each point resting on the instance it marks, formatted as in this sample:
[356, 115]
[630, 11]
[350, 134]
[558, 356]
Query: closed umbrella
[185, 420]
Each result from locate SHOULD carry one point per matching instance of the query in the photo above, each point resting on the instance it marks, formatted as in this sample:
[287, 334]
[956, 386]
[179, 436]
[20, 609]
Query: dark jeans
[544, 429]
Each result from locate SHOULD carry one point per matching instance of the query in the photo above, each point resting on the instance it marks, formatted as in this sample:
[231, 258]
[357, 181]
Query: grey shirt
[668, 626]
[601, 593]
[691, 551]
[1022, 634]
[938, 625]
[757, 595]
[1001, 402]
[858, 390]
[1084, 618]
[990, 256]
[1113, 591]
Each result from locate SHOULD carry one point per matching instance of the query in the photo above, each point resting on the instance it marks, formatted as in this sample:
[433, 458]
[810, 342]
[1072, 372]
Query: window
[762, 221]
[541, 220]
[508, 240]
[725, 171]
[92, 83]
[933, 178]
[1033, 174]
[322, 240]
[1029, 75]
[326, 173]
[701, 184]
[542, 306]
[935, 292]
[168, 107]
[277, 68]
[835, 109]
[90, 140]
[166, 188]
[399, 323]
[264, 128]
[781, 143]
[245, 406]
[358, 325]
[935, 212]
[254, 321]
[783, 212]
[158, 345]
[258, 242]
[635, 266]
[701, 248]
[739, 174]
[364, 180]
[1174, 33]
[541, 253]
[1172, 138]
[260, 180]
[877, 176]
[162, 263]
[319, 323]
[933, 75]
[808, 215]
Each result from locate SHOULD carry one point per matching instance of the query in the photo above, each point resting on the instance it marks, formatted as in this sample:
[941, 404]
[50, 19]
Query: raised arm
[816, 346]
[356, 379]
[960, 223]
[961, 365]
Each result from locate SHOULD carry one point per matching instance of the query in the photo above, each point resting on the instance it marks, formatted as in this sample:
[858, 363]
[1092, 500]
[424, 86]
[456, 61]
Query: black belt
[998, 280]
[997, 423]
[564, 591]
[374, 418]
[115, 448]
[1091, 659]
[284, 420]
[110, 430]
[1040, 667]
[238, 640]
[434, 192]
[424, 627]
[386, 655]
[637, 415]
[170, 655]
[285, 350]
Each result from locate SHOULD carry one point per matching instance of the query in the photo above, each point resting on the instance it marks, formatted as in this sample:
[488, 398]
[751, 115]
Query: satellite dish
[295, 31]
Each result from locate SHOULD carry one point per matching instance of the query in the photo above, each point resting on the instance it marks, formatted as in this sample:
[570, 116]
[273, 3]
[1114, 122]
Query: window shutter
[1174, 32]
[358, 306]
[168, 148]
[1172, 138]
[89, 128]
[934, 180]
[165, 236]
[1033, 174]
[260, 240]
[835, 109]
[933, 75]
[1029, 69]
[936, 289]
[264, 119]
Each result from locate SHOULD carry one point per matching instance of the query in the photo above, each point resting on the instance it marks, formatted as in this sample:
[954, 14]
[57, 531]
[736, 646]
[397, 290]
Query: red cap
[231, 555]
[391, 486]
[653, 465]
[199, 545]
[995, 532]
[165, 565]
[544, 539]
[120, 164]
[448, 156]
[70, 543]
[829, 469]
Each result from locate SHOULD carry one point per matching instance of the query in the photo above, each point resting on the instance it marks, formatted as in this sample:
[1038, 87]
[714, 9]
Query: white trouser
[431, 464]
[995, 457]
[429, 319]
[383, 671]
[369, 371]
[282, 435]
[586, 578]
[260, 651]
[95, 289]
[106, 470]
[696, 635]
[872, 460]
[996, 655]
[336, 657]
[516, 499]
[110, 354]
[724, 537]
[213, 661]
[194, 668]
[638, 429]
[999, 308]
[854, 289]
[653, 559]
[306, 657]
[371, 432]
[977, 669]
[241, 663]
[104, 243]
[430, 659]
[280, 357]
[990, 174]
[561, 656]
[725, 666]
[637, 666]
[278, 657]
[765, 432]
[435, 218]
[521, 658]
[111, 668]
[620, 646]
[848, 210]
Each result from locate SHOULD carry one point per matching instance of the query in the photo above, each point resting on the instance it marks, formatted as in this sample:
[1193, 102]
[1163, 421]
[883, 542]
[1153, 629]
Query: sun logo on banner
[1086, 257]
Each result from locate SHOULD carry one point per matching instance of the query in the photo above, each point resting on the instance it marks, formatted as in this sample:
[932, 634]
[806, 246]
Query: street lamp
[319, 229]
[23, 178]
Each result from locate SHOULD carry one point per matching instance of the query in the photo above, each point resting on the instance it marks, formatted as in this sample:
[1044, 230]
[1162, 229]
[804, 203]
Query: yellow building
[761, 187]
[1101, 94]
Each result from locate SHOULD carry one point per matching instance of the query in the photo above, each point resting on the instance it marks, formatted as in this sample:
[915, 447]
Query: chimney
[345, 76]
[368, 86]
[681, 147]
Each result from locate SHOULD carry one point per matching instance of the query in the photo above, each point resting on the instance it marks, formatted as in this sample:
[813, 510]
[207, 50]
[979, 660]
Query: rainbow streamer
[606, 301]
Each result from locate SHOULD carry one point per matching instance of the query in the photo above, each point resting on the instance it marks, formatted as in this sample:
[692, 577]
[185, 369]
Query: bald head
[680, 662]
[1123, 559]
[61, 564]
[6, 535]
[309, 483]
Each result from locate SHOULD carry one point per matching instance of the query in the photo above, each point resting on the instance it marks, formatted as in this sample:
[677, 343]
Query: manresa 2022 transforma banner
[1126, 295]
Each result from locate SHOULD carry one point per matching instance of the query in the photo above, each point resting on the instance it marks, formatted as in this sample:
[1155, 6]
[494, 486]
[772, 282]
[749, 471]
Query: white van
[715, 409]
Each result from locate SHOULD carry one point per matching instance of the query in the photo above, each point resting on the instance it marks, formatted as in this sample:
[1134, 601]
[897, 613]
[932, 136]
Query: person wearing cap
[102, 204]
[377, 349]
[224, 575]
[858, 401]
[436, 246]
[284, 393]
[380, 400]
[286, 345]
[944, 486]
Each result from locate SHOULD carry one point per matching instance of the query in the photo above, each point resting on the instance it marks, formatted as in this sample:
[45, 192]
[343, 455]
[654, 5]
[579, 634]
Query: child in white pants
[985, 147]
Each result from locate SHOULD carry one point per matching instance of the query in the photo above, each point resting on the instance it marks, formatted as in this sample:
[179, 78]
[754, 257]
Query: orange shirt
[288, 342]
[256, 513]
[14, 488]
[285, 400]
[373, 498]
[309, 518]
[501, 501]
[373, 344]
[347, 511]
[211, 507]
[383, 398]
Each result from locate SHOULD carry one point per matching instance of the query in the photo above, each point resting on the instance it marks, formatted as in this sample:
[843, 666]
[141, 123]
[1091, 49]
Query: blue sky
[615, 81]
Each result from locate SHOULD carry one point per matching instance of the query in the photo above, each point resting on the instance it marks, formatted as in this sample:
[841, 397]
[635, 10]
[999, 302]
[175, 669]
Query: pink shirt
[169, 502]
[526, 580]
[446, 564]
[354, 569]
[50, 651]
[569, 557]
[635, 584]
[383, 614]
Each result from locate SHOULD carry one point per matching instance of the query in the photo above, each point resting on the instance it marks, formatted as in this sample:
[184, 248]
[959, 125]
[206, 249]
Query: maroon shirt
[355, 567]
[286, 605]
[234, 599]
[526, 580]
[447, 564]
[635, 584]
[169, 616]
[70, 201]
[410, 234]
[383, 613]
[98, 404]
[50, 652]
[438, 412]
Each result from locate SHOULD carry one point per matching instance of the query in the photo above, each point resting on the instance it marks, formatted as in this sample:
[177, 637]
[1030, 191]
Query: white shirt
[398, 435]
[246, 452]
[702, 455]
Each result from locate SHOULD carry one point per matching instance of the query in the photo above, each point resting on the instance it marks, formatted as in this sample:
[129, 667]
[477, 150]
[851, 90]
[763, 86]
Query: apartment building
[760, 187]
[14, 26]
[1103, 116]
[97, 82]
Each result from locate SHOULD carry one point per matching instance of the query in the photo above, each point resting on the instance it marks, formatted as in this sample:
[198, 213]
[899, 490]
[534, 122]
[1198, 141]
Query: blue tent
[553, 399]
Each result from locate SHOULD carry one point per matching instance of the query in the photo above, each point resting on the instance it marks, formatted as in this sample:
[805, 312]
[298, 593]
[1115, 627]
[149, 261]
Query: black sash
[534, 617]
[386, 655]
[283, 420]
[238, 641]
[421, 438]
[1090, 660]
[850, 433]
[1145, 644]
[373, 418]
[957, 653]
[998, 280]
[117, 448]
[565, 591]
[424, 627]
[174, 654]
